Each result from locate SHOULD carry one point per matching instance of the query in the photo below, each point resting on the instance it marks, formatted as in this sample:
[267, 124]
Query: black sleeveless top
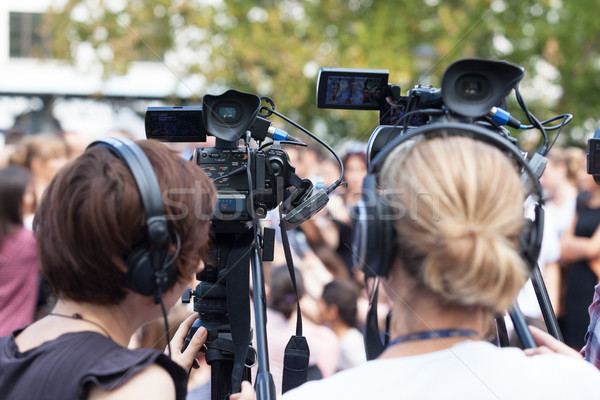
[67, 367]
[580, 282]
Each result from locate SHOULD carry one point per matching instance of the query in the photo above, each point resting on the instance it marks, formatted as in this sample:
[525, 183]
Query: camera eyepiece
[471, 87]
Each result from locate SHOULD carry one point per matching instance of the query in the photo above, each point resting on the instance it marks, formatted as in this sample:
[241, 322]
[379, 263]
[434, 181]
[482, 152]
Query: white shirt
[352, 350]
[469, 370]
[323, 344]
[549, 253]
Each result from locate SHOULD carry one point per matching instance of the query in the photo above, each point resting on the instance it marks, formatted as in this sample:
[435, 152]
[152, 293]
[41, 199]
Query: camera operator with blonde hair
[457, 217]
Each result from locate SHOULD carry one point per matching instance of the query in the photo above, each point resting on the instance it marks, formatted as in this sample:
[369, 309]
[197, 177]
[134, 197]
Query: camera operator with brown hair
[99, 248]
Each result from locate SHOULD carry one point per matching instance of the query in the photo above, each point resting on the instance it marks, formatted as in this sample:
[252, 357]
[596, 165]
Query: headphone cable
[164, 312]
[167, 264]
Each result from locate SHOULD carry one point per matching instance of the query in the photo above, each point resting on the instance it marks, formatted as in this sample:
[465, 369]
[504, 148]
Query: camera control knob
[276, 167]
[260, 212]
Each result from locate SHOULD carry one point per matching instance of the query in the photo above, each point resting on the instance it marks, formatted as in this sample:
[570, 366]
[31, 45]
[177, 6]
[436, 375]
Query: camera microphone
[305, 210]
[502, 117]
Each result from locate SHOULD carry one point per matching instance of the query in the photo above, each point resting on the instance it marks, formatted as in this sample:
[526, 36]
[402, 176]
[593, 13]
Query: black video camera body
[228, 169]
[249, 181]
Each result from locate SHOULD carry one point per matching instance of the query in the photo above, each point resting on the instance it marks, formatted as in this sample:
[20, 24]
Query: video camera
[249, 181]
[473, 91]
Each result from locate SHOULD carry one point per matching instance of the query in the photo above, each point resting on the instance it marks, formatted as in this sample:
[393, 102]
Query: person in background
[354, 94]
[559, 182]
[456, 263]
[579, 252]
[321, 234]
[43, 155]
[340, 206]
[281, 325]
[339, 311]
[9, 140]
[19, 261]
[591, 349]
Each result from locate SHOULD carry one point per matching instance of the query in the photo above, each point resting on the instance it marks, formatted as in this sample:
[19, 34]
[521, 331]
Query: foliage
[274, 48]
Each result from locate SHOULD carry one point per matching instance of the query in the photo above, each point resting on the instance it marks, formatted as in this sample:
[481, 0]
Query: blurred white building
[36, 92]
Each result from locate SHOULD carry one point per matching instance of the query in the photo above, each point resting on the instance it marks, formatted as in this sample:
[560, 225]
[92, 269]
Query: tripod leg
[265, 386]
[518, 320]
[545, 305]
[503, 340]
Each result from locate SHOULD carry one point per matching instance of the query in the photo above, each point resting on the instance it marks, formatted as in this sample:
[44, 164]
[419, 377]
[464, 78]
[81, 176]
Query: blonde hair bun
[459, 235]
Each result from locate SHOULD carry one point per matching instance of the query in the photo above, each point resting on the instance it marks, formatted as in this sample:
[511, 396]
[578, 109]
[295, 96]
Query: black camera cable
[428, 111]
[545, 148]
[338, 182]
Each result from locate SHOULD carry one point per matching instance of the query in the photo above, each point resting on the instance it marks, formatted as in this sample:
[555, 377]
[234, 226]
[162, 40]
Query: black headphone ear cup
[373, 232]
[386, 234]
[525, 240]
[142, 277]
[531, 236]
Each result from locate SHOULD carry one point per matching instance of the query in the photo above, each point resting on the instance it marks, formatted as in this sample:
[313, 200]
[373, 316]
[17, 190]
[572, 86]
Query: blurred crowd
[331, 290]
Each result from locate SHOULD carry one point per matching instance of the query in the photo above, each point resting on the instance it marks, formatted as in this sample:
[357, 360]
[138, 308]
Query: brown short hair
[344, 294]
[283, 297]
[91, 217]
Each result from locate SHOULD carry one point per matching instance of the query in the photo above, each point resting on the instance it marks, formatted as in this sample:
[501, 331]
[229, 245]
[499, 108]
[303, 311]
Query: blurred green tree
[274, 48]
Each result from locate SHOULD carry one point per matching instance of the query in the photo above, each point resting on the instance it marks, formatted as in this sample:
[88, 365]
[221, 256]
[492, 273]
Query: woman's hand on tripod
[187, 358]
[549, 344]
[247, 392]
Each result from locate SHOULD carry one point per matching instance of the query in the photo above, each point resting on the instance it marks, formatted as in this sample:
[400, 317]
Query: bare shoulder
[153, 382]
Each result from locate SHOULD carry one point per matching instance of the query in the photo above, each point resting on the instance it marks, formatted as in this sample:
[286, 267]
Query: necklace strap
[78, 316]
[434, 334]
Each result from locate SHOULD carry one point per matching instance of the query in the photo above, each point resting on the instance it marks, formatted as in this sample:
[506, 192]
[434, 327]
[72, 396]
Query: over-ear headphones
[148, 264]
[374, 236]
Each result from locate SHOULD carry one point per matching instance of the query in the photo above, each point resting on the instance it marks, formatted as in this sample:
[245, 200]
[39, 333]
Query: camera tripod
[222, 302]
[518, 318]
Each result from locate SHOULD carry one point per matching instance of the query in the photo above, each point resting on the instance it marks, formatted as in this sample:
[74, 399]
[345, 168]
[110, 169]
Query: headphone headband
[459, 129]
[147, 183]
[148, 264]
